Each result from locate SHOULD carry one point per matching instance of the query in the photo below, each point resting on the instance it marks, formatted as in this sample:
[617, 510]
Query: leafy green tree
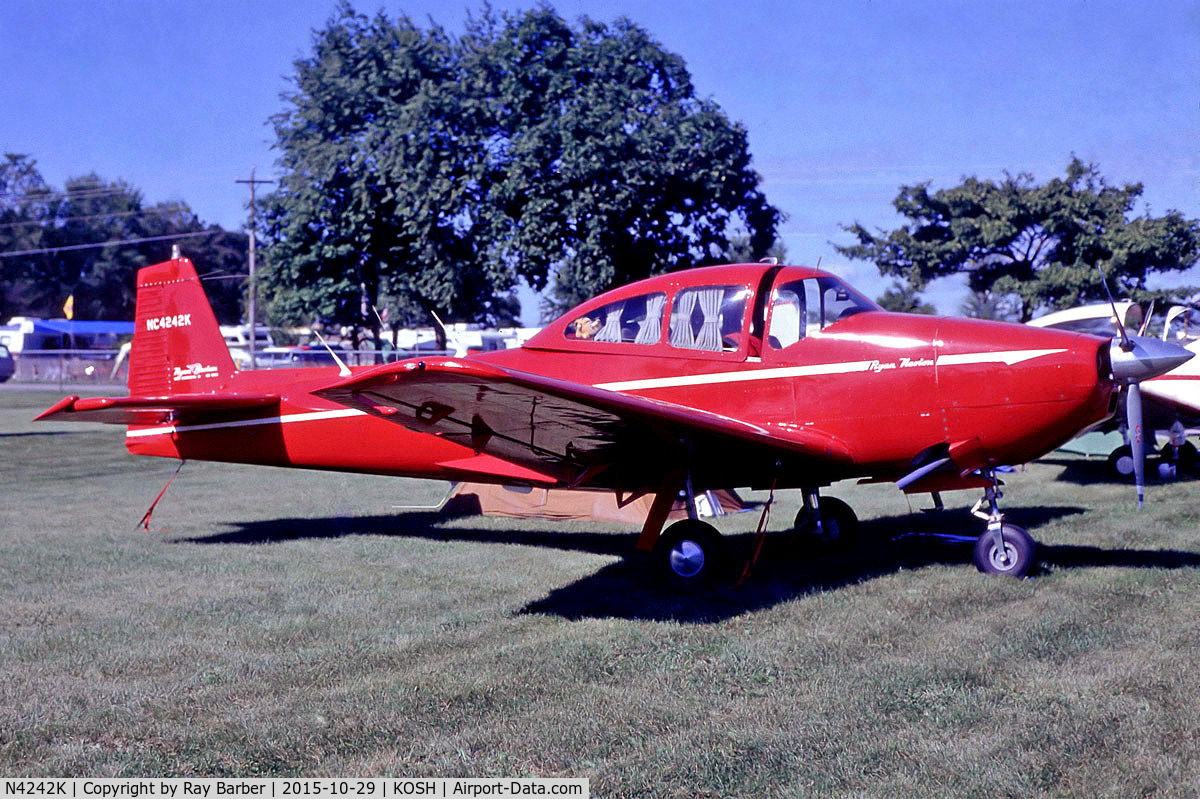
[377, 180]
[22, 191]
[1040, 244]
[988, 305]
[603, 166]
[428, 173]
[903, 298]
[88, 242]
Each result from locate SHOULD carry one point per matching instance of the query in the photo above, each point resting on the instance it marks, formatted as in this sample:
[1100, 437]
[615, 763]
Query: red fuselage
[787, 349]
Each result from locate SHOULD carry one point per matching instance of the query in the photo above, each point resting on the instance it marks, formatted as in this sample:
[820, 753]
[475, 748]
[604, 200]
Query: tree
[429, 173]
[372, 204]
[603, 166]
[987, 305]
[87, 241]
[1038, 245]
[903, 298]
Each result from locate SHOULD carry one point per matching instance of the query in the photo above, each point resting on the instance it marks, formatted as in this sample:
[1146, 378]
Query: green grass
[287, 622]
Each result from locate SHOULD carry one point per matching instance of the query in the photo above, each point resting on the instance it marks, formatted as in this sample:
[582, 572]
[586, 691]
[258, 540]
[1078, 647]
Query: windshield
[802, 307]
[1183, 324]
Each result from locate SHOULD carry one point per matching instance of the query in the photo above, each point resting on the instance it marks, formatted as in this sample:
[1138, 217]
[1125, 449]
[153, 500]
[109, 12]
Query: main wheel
[1120, 461]
[690, 552]
[838, 524]
[1187, 456]
[1019, 552]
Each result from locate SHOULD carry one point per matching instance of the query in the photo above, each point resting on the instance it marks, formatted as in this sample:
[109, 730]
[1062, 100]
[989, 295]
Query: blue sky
[844, 101]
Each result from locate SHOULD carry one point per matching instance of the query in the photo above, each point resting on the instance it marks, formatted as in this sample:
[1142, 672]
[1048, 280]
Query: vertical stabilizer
[177, 345]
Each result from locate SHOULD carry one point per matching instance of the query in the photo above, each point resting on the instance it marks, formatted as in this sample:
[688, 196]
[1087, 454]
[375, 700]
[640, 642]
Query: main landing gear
[689, 552]
[828, 523]
[692, 553]
[1178, 453]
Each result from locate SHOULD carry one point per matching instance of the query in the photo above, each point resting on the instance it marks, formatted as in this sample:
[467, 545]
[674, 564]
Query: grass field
[291, 623]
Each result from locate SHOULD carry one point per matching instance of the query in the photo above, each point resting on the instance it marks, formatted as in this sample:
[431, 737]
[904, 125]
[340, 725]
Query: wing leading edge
[580, 434]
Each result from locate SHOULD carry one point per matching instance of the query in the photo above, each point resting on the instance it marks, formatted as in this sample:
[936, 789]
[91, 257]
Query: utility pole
[250, 309]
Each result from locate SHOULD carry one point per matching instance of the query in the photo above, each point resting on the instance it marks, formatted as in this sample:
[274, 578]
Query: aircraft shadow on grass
[45, 433]
[785, 570]
[1078, 471]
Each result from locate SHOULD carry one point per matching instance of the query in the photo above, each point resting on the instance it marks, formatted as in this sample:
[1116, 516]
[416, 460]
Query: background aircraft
[1171, 401]
[752, 375]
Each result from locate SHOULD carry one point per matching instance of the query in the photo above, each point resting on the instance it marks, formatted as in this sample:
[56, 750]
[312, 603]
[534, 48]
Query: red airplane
[753, 375]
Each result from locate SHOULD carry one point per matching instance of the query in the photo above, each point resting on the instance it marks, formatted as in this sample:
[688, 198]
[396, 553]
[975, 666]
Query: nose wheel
[1011, 551]
[1002, 548]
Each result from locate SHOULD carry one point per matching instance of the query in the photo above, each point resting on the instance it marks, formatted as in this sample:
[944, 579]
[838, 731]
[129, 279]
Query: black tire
[690, 553]
[1019, 546]
[1120, 461]
[1187, 457]
[839, 525]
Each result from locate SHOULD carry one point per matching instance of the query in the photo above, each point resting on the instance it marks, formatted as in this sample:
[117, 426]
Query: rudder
[177, 345]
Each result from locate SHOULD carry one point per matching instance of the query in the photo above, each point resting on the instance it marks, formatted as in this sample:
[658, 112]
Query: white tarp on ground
[544, 503]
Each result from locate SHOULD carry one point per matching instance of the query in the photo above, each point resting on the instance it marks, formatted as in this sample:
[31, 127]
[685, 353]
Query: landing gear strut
[1002, 548]
[689, 552]
[827, 522]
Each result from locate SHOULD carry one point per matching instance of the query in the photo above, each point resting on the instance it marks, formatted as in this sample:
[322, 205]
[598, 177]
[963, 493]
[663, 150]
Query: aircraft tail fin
[177, 345]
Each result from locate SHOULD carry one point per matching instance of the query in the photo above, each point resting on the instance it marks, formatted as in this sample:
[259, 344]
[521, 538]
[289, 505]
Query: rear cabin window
[708, 318]
[804, 307]
[634, 320]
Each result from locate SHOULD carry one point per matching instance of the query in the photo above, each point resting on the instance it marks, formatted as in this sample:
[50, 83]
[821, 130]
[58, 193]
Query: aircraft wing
[155, 410]
[576, 433]
[1177, 393]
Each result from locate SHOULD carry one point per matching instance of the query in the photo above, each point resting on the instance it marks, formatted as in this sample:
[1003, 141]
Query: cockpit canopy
[711, 310]
[1182, 324]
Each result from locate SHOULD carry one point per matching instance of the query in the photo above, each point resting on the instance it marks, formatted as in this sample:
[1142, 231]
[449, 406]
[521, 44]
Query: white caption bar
[374, 788]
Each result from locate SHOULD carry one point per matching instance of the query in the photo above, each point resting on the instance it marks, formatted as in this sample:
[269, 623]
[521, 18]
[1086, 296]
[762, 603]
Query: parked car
[7, 367]
[285, 357]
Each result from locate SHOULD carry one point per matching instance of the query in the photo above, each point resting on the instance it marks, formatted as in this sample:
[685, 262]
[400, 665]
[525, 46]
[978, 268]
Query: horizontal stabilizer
[155, 410]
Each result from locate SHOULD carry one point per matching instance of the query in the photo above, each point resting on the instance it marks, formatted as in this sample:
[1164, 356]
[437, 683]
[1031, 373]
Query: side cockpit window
[634, 320]
[801, 308]
[708, 318]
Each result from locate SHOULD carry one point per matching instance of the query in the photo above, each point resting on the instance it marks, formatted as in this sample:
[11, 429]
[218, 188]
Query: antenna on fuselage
[437, 320]
[343, 369]
[1126, 344]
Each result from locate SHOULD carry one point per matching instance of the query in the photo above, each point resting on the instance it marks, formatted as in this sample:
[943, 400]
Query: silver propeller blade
[1137, 441]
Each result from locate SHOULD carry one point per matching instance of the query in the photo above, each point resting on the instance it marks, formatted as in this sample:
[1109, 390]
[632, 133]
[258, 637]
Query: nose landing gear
[1002, 548]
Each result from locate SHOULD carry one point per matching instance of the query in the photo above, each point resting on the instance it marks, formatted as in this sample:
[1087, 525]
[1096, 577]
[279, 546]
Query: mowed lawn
[281, 622]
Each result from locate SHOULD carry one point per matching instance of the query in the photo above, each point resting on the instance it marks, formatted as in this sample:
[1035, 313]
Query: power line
[108, 243]
[35, 195]
[57, 220]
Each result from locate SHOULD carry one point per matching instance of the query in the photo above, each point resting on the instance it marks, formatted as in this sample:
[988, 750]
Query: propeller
[1134, 359]
[1137, 442]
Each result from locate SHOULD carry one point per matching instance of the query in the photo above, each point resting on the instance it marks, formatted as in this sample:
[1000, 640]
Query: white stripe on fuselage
[1008, 357]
